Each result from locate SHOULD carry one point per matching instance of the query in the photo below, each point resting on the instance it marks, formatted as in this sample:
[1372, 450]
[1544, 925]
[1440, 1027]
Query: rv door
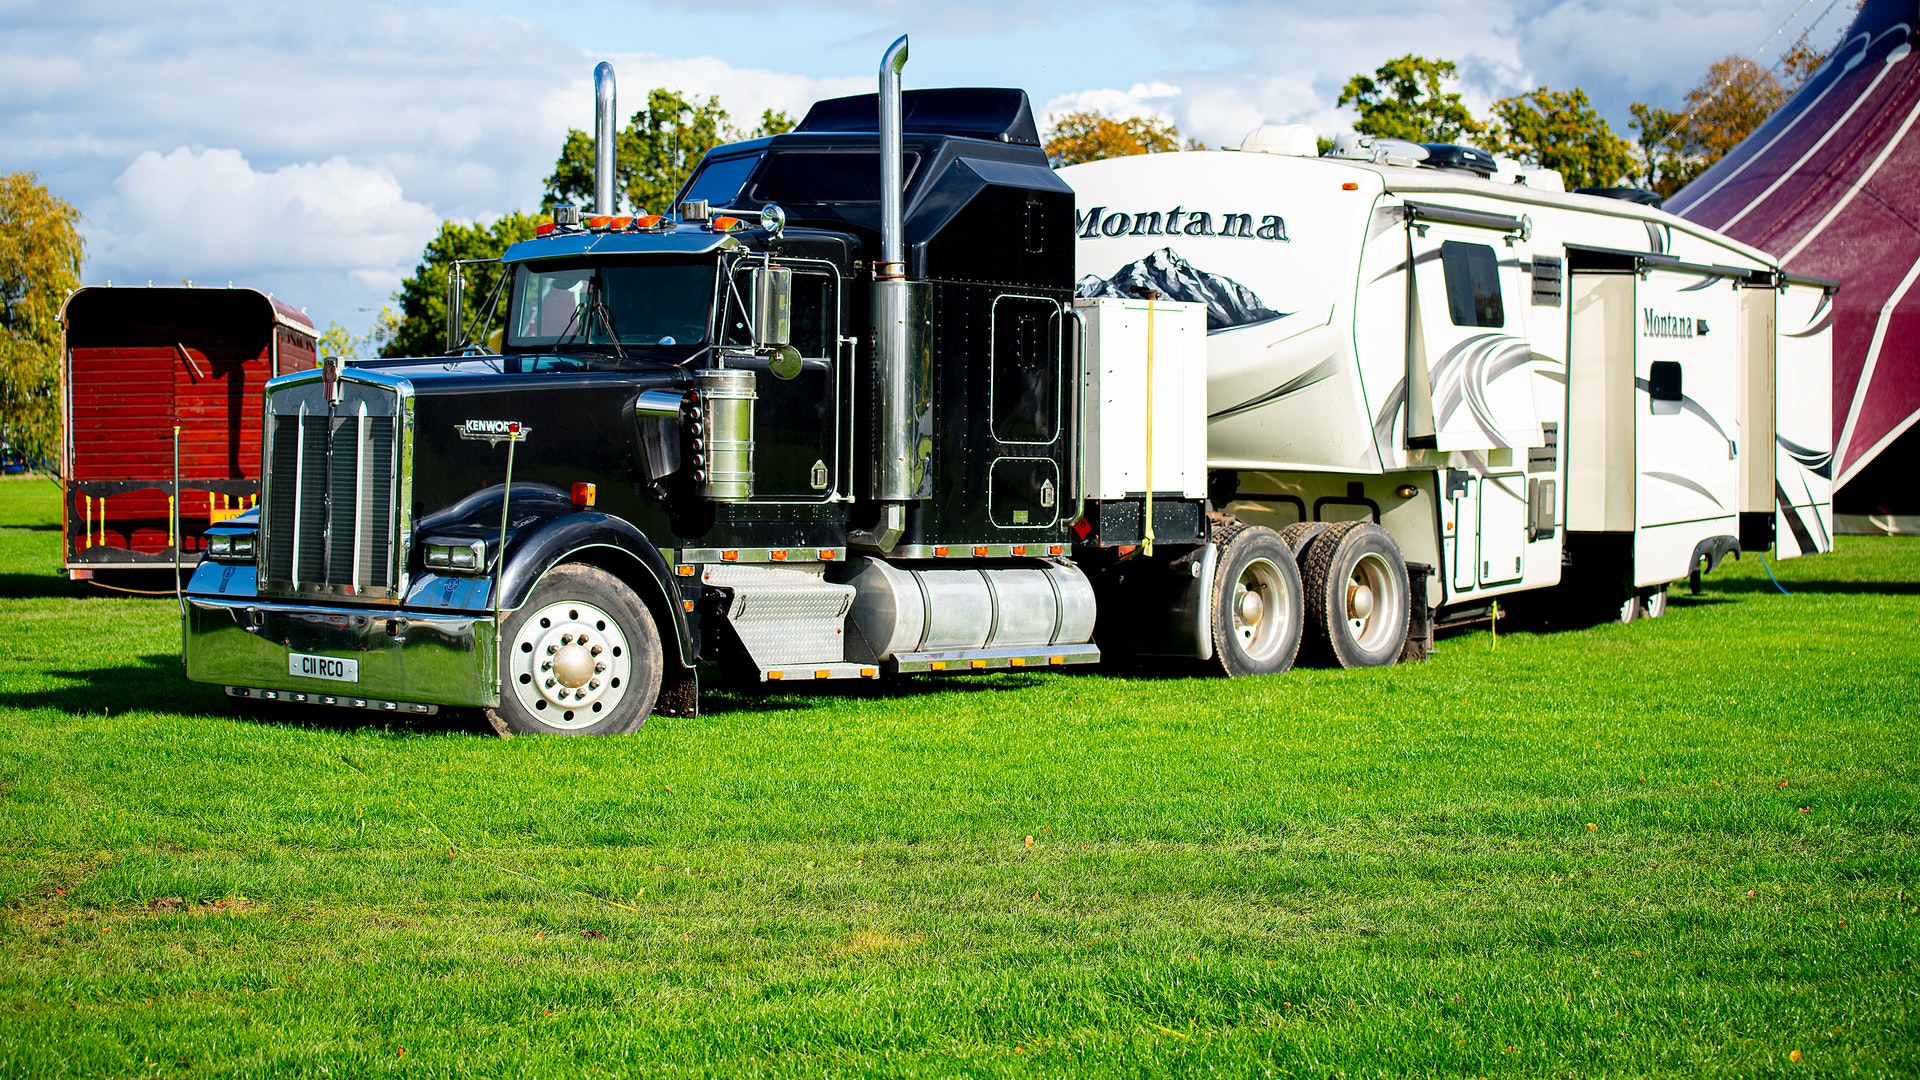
[1803, 469]
[1686, 375]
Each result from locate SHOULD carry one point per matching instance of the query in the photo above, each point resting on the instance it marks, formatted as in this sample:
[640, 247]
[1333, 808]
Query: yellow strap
[1146, 545]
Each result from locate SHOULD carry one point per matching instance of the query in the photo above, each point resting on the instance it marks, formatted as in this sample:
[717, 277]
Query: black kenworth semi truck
[831, 418]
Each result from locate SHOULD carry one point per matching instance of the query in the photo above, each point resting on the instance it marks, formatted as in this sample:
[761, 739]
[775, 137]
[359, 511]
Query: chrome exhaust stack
[605, 120]
[902, 323]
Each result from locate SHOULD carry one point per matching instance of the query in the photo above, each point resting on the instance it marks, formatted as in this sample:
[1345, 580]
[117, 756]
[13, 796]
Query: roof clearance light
[599, 222]
[545, 229]
[726, 224]
[647, 221]
[619, 223]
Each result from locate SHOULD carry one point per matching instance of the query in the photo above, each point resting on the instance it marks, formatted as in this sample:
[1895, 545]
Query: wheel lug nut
[566, 639]
[546, 665]
[595, 650]
[593, 684]
[550, 681]
[552, 648]
[599, 667]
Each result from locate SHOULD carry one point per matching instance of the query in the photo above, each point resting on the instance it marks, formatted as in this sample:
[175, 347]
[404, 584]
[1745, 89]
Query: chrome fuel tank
[898, 609]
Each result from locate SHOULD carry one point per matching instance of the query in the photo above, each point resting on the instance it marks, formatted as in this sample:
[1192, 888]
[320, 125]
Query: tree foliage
[40, 253]
[1411, 98]
[422, 326]
[1090, 135]
[1732, 99]
[654, 152]
[1561, 130]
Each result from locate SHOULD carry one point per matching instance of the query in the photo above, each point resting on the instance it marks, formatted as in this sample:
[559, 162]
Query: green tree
[1090, 135]
[340, 341]
[1410, 98]
[653, 154]
[422, 327]
[1561, 130]
[40, 253]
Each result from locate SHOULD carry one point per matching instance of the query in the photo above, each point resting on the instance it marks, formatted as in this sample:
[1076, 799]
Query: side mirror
[772, 288]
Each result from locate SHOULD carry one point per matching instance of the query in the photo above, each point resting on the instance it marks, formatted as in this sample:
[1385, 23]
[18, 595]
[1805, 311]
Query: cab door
[799, 451]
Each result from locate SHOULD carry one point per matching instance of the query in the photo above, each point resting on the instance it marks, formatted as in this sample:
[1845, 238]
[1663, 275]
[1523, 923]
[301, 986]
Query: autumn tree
[40, 253]
[422, 326]
[1091, 135]
[654, 152]
[1562, 131]
[1410, 98]
[1734, 97]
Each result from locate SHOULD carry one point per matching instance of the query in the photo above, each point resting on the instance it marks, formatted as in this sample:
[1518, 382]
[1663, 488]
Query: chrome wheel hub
[1372, 595]
[569, 664]
[1259, 607]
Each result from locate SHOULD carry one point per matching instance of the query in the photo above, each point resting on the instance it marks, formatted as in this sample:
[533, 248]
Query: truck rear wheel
[1357, 599]
[1256, 602]
[581, 657]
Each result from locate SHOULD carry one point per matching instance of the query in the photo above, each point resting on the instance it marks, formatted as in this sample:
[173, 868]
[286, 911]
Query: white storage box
[1123, 400]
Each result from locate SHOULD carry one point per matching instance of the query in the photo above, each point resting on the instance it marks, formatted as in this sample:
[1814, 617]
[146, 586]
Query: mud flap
[1419, 616]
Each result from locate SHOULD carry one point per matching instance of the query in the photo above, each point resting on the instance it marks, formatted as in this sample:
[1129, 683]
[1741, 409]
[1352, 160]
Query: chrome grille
[332, 512]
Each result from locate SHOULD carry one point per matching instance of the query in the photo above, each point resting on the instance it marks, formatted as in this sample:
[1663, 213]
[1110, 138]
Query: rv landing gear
[1357, 595]
[581, 657]
[1256, 602]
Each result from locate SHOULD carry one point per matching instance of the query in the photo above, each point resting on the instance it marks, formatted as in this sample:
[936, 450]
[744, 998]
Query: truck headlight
[230, 547]
[458, 555]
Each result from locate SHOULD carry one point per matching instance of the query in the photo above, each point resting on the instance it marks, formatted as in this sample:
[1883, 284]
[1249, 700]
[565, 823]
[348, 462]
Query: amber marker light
[1406, 491]
[647, 221]
[1349, 186]
[544, 228]
[583, 494]
[726, 224]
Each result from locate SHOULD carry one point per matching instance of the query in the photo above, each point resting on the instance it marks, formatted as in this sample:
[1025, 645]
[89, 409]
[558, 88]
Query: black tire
[1301, 533]
[1256, 602]
[618, 666]
[1357, 597]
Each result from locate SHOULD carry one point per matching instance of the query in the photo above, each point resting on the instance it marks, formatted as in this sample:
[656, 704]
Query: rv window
[1473, 284]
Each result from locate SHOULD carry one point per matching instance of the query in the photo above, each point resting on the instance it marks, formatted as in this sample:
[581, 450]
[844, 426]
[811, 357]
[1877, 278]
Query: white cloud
[210, 215]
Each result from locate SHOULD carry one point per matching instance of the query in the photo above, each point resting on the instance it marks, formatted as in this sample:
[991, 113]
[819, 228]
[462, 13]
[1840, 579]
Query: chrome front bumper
[405, 658]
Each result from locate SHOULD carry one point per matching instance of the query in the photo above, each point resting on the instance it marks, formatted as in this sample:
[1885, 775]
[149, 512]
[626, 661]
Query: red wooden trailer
[136, 362]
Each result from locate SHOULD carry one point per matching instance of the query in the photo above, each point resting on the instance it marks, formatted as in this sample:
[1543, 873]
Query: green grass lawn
[1682, 847]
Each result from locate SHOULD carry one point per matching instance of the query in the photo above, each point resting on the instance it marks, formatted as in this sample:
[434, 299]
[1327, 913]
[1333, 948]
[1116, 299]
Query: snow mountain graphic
[1229, 303]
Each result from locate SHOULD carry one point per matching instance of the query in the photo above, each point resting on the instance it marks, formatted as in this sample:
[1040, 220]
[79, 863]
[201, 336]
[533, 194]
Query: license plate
[323, 667]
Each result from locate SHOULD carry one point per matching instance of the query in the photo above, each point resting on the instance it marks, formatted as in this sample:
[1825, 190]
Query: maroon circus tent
[1830, 185]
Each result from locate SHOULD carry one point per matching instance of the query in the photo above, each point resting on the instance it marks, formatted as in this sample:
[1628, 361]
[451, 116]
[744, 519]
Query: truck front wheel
[580, 657]
[1256, 602]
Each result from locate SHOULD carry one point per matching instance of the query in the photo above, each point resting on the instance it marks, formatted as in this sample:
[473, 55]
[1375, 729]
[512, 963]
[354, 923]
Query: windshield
[661, 302]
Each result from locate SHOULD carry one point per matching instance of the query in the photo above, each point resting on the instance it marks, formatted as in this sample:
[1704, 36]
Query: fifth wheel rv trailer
[1525, 387]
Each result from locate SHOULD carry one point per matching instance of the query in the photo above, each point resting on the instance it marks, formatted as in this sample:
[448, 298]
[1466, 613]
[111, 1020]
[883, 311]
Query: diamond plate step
[786, 616]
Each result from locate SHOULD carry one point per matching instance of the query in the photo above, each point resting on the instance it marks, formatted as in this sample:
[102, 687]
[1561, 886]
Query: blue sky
[312, 149]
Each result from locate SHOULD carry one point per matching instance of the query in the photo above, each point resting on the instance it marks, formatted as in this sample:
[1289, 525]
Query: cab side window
[1473, 284]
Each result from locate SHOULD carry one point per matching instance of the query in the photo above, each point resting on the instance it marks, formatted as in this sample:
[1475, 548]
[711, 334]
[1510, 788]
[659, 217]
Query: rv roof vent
[1292, 140]
[1351, 147]
[1529, 176]
[1625, 194]
[1455, 158]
